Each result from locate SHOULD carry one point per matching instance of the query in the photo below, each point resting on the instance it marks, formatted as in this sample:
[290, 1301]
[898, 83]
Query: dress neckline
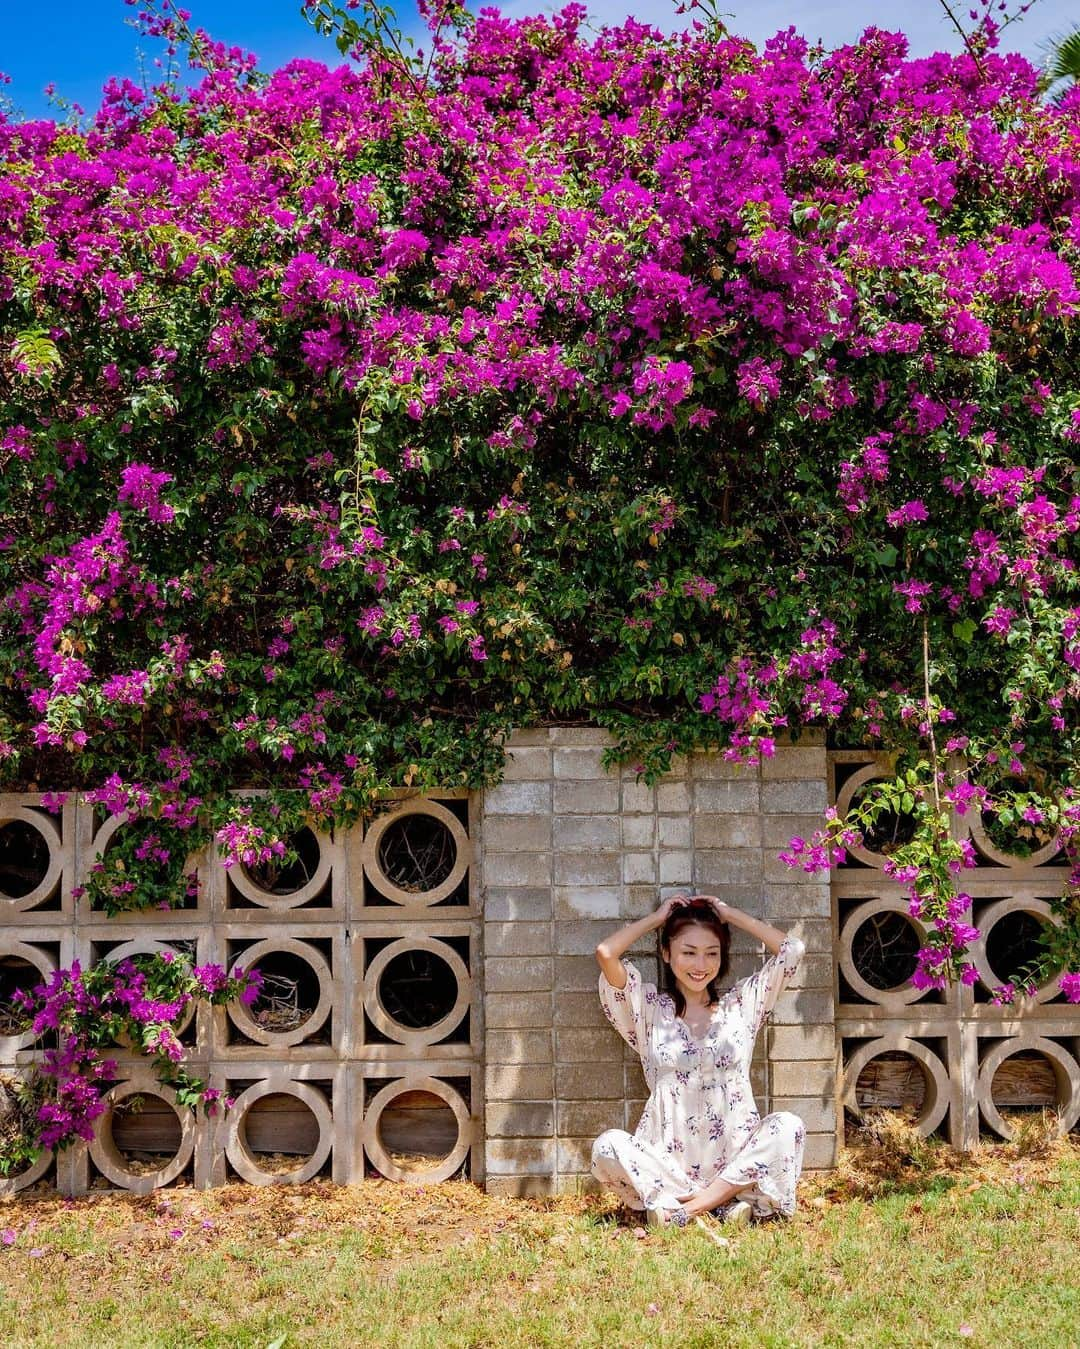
[708, 1026]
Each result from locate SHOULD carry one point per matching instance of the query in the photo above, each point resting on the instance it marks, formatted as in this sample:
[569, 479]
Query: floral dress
[700, 1121]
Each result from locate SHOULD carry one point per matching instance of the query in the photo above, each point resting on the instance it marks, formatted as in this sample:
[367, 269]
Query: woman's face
[694, 957]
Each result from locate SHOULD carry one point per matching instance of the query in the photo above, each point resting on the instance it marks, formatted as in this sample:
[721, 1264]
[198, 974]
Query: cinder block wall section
[570, 851]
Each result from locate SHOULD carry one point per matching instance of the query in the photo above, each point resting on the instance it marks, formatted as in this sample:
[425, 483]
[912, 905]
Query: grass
[978, 1250]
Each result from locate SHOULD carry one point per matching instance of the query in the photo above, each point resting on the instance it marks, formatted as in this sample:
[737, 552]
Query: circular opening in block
[289, 992]
[21, 1097]
[1013, 943]
[146, 1133]
[1018, 838]
[884, 950]
[418, 989]
[286, 878]
[24, 859]
[1025, 1081]
[889, 831]
[16, 976]
[417, 853]
[280, 1133]
[892, 1080]
[417, 1130]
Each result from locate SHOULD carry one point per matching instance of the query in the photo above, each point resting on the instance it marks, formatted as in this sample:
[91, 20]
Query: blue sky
[77, 44]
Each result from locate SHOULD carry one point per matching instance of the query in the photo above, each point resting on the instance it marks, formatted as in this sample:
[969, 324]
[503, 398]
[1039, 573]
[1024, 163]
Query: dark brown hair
[694, 911]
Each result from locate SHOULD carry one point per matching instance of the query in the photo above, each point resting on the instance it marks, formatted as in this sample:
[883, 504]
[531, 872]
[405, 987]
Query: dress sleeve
[629, 1009]
[758, 994]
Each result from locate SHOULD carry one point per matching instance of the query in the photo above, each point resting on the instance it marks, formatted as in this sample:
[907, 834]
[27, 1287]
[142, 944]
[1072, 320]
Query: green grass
[934, 1261]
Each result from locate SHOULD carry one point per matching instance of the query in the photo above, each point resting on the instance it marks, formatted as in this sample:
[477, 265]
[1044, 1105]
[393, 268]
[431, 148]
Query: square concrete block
[798, 901]
[599, 797]
[676, 868]
[519, 1046]
[640, 900]
[589, 1081]
[578, 1009]
[518, 1157]
[794, 798]
[586, 1046]
[586, 1119]
[713, 767]
[815, 971]
[779, 830]
[577, 974]
[520, 1119]
[818, 1113]
[580, 938]
[803, 1042]
[518, 798]
[804, 1077]
[517, 903]
[820, 1152]
[517, 868]
[577, 763]
[638, 831]
[574, 1155]
[739, 797]
[674, 831]
[641, 868]
[638, 799]
[728, 866]
[799, 1005]
[579, 735]
[727, 831]
[517, 939]
[517, 833]
[599, 868]
[673, 798]
[517, 1011]
[527, 764]
[795, 762]
[531, 735]
[589, 901]
[815, 933]
[519, 1082]
[587, 833]
[514, 974]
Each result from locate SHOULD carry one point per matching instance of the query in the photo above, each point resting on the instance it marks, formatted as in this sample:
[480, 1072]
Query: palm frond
[1064, 60]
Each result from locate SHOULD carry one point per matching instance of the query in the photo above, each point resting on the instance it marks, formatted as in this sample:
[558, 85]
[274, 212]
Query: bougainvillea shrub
[351, 416]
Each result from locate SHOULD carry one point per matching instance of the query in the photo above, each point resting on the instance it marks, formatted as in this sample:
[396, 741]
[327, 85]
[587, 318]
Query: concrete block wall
[568, 853]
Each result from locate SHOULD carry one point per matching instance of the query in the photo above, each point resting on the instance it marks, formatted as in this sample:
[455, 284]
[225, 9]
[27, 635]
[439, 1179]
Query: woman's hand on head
[668, 907]
[723, 911]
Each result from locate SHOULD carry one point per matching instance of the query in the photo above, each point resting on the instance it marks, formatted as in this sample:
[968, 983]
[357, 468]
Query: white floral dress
[700, 1121]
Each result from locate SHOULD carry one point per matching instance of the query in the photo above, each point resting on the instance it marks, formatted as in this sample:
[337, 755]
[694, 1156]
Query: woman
[701, 1144]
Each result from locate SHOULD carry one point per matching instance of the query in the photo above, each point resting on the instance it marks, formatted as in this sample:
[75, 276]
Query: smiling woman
[700, 1144]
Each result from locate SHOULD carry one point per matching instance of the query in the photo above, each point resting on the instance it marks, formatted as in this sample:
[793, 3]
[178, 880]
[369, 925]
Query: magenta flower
[911, 512]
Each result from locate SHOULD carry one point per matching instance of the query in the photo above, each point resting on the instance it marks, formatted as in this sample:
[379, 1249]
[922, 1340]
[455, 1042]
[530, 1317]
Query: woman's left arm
[762, 932]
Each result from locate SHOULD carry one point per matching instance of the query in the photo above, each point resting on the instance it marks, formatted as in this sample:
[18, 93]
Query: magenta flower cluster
[351, 416]
[141, 1002]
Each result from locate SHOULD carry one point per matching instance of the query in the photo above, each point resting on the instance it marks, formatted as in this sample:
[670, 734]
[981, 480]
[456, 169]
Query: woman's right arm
[611, 950]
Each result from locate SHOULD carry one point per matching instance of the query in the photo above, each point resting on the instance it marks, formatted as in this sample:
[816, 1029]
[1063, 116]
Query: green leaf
[964, 630]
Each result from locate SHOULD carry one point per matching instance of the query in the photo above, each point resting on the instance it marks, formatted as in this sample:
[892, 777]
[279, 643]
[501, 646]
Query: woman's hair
[695, 911]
